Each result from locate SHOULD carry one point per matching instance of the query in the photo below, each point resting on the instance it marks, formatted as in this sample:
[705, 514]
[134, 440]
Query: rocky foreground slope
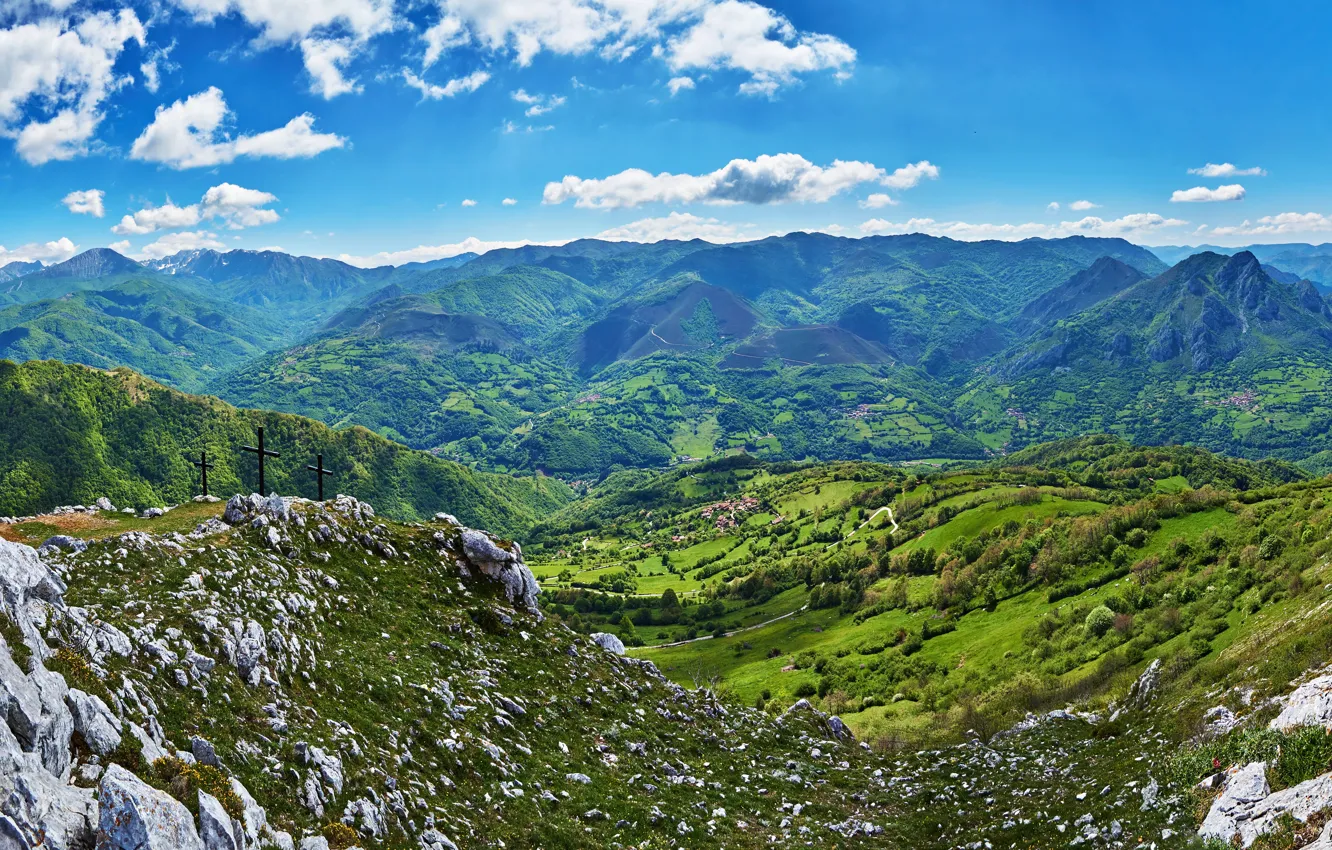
[297, 674]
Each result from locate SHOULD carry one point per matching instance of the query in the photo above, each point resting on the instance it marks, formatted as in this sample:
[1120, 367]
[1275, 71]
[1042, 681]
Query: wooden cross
[320, 472]
[262, 453]
[203, 465]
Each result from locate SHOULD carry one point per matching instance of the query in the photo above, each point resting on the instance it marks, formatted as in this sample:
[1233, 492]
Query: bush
[340, 836]
[1100, 620]
[184, 781]
[805, 689]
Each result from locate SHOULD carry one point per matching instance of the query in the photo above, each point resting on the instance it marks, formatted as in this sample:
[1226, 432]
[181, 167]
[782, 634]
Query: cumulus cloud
[235, 206]
[468, 202]
[1053, 206]
[679, 84]
[538, 104]
[46, 252]
[1226, 169]
[326, 59]
[876, 201]
[88, 202]
[744, 36]
[461, 85]
[1202, 194]
[1080, 206]
[174, 243]
[508, 202]
[62, 74]
[330, 33]
[1135, 226]
[189, 134]
[775, 179]
[1281, 224]
[680, 226]
[734, 35]
[426, 253]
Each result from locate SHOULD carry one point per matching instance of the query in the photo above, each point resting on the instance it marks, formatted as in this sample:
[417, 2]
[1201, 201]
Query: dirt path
[733, 632]
[867, 521]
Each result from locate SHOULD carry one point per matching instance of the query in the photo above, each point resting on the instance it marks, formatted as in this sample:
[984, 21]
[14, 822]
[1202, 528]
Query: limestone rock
[1309, 705]
[609, 642]
[94, 721]
[215, 828]
[503, 565]
[136, 816]
[1144, 689]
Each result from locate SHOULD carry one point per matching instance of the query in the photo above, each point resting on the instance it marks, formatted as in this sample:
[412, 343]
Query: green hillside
[172, 336]
[71, 434]
[1213, 352]
[920, 604]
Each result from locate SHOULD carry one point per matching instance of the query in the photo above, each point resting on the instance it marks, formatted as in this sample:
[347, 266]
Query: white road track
[870, 519]
[733, 631]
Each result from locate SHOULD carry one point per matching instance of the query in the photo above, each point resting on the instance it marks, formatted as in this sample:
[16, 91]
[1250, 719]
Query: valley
[891, 540]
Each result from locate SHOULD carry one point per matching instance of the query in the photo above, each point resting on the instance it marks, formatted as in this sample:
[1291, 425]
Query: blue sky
[361, 128]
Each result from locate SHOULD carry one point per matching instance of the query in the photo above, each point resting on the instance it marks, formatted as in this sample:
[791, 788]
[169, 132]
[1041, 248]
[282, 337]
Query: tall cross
[204, 466]
[320, 472]
[262, 453]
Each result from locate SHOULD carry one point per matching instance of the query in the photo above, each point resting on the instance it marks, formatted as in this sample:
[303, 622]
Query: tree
[1100, 620]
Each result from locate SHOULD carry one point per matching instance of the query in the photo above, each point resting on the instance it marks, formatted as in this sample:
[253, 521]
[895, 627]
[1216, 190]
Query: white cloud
[737, 35]
[166, 217]
[326, 59]
[189, 134]
[1281, 224]
[1080, 206]
[461, 85]
[47, 252]
[1135, 226]
[158, 61]
[468, 202]
[538, 104]
[679, 84]
[1202, 194]
[1226, 169]
[747, 37]
[775, 179]
[121, 247]
[1053, 206]
[89, 202]
[681, 226]
[331, 33]
[67, 72]
[426, 253]
[236, 206]
[508, 202]
[509, 127]
[174, 243]
[878, 200]
[909, 176]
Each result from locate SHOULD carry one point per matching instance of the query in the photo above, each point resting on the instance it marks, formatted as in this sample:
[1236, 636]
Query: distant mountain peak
[98, 262]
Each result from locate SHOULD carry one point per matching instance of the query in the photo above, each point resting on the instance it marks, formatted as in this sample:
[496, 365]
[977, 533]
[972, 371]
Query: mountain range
[578, 359]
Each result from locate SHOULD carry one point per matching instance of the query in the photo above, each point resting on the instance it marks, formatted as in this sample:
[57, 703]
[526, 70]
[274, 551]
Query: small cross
[262, 453]
[320, 473]
[203, 465]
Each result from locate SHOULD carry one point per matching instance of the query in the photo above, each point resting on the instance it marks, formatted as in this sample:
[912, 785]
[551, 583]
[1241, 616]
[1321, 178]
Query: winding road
[732, 632]
[868, 520]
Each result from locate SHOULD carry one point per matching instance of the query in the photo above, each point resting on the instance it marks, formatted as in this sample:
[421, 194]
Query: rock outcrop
[136, 816]
[1247, 808]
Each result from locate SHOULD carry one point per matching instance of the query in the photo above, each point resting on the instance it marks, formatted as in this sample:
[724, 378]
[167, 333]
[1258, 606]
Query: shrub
[184, 781]
[1100, 620]
[805, 689]
[340, 836]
